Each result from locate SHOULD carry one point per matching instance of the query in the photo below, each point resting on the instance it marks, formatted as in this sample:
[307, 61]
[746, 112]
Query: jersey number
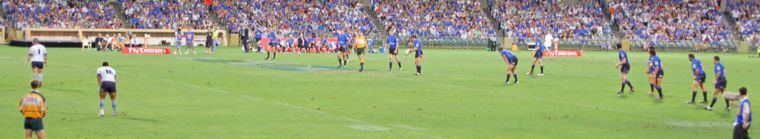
[109, 72]
[39, 52]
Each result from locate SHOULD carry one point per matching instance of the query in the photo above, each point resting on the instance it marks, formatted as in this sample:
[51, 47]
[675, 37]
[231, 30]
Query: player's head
[500, 48]
[743, 91]
[619, 46]
[35, 84]
[414, 37]
[652, 52]
[716, 59]
[36, 41]
[105, 63]
[691, 57]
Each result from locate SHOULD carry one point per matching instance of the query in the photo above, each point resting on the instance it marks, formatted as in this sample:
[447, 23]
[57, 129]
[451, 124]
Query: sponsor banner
[146, 51]
[565, 53]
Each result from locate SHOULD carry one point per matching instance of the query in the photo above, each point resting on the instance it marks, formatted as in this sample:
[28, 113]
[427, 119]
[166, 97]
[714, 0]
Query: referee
[33, 107]
[744, 117]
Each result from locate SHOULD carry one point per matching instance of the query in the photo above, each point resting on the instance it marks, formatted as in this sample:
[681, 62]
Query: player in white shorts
[107, 82]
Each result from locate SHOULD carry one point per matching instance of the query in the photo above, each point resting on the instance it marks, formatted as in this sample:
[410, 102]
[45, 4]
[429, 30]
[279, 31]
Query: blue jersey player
[699, 79]
[391, 44]
[273, 45]
[720, 83]
[178, 42]
[656, 73]
[417, 50]
[538, 56]
[342, 48]
[511, 61]
[624, 66]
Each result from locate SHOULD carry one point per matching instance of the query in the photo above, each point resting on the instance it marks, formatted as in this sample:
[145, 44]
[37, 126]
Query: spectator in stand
[60, 14]
[435, 19]
[677, 20]
[746, 14]
[566, 20]
[167, 14]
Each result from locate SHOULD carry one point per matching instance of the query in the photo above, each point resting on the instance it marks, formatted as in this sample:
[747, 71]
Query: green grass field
[460, 95]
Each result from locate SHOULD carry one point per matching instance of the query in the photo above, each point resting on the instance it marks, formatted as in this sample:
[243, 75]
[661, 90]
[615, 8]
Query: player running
[538, 56]
[699, 79]
[656, 73]
[720, 83]
[392, 50]
[342, 42]
[511, 61]
[624, 66]
[417, 49]
[38, 57]
[360, 44]
[107, 81]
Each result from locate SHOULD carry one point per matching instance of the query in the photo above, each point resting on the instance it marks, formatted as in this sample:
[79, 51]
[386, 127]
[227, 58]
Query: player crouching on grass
[511, 60]
[34, 109]
[720, 83]
[417, 49]
[624, 66]
[656, 74]
[699, 79]
[360, 44]
[107, 81]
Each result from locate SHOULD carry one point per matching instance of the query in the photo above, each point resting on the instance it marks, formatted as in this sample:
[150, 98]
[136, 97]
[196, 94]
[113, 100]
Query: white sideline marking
[409, 127]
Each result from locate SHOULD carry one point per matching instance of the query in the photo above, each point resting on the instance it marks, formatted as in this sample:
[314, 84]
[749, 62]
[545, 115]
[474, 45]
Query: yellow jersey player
[34, 109]
[360, 44]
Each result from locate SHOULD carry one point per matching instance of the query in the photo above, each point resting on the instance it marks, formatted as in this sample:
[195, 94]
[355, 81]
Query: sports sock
[274, 55]
[114, 104]
[390, 65]
[340, 61]
[399, 64]
[704, 95]
[713, 101]
[659, 91]
[651, 87]
[361, 65]
[507, 78]
[267, 55]
[629, 84]
[515, 77]
[419, 68]
[622, 87]
[542, 69]
[40, 77]
[726, 102]
[693, 95]
[532, 67]
[102, 104]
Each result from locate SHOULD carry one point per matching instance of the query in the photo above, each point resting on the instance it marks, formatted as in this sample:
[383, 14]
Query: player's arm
[45, 56]
[624, 61]
[717, 75]
[99, 80]
[745, 114]
[650, 67]
[505, 59]
[20, 106]
[43, 106]
[28, 57]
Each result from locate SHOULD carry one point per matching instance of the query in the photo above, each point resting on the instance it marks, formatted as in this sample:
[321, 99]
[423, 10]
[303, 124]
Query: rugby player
[107, 82]
[538, 56]
[656, 74]
[273, 44]
[38, 56]
[699, 79]
[189, 36]
[624, 66]
[342, 42]
[417, 49]
[511, 61]
[720, 83]
[391, 44]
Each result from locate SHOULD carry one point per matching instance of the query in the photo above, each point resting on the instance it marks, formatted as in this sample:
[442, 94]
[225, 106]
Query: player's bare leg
[541, 64]
[418, 62]
[27, 134]
[102, 103]
[533, 65]
[361, 62]
[694, 86]
[40, 134]
[658, 86]
[340, 59]
[514, 73]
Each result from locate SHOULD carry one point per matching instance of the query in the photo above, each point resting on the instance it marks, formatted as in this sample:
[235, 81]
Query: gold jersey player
[360, 44]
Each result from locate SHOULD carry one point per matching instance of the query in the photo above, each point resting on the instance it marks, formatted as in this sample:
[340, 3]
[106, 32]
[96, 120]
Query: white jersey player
[107, 82]
[38, 57]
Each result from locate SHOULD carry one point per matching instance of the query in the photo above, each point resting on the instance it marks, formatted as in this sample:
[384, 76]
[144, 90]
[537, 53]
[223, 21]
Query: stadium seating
[60, 14]
[583, 19]
[670, 20]
[295, 17]
[746, 14]
[447, 19]
[167, 14]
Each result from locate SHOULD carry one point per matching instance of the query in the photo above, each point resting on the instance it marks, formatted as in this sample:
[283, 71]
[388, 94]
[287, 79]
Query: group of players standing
[33, 105]
[656, 74]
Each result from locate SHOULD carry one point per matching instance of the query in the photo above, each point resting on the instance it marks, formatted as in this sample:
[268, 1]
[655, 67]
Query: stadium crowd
[292, 18]
[526, 19]
[435, 19]
[167, 14]
[675, 20]
[59, 14]
[747, 16]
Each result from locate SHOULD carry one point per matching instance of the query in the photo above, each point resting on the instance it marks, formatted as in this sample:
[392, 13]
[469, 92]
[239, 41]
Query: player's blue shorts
[108, 87]
[721, 84]
[539, 55]
[418, 54]
[513, 61]
[700, 79]
[392, 51]
[33, 124]
[625, 68]
[38, 64]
